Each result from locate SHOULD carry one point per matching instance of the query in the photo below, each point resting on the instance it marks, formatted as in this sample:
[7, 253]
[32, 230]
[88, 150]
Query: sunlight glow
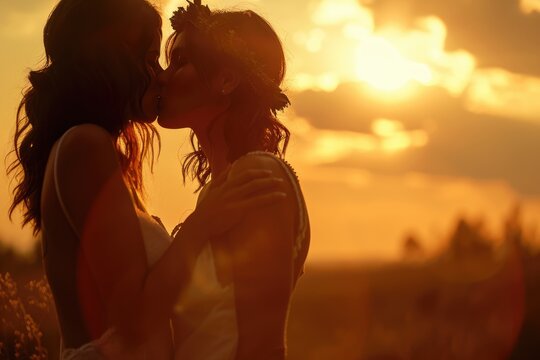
[326, 146]
[313, 40]
[529, 6]
[388, 59]
[386, 127]
[393, 138]
[382, 66]
[331, 146]
[426, 45]
[332, 12]
[499, 92]
[404, 140]
[325, 82]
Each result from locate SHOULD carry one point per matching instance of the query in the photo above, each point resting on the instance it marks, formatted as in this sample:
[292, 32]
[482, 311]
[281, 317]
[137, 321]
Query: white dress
[208, 308]
[156, 241]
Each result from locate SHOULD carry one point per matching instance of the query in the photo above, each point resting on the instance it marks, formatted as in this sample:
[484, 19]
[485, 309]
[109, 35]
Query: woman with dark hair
[83, 132]
[223, 81]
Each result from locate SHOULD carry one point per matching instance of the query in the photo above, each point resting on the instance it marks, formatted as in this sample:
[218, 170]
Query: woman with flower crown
[223, 82]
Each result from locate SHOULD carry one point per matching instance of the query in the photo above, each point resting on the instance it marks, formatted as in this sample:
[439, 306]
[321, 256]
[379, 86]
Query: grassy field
[441, 309]
[473, 300]
[434, 310]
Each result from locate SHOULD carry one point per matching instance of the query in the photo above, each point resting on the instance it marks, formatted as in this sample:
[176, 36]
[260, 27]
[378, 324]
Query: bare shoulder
[258, 161]
[266, 233]
[86, 142]
[87, 150]
[87, 137]
[87, 164]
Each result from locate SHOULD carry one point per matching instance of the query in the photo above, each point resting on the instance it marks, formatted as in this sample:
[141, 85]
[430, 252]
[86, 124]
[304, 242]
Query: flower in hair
[195, 13]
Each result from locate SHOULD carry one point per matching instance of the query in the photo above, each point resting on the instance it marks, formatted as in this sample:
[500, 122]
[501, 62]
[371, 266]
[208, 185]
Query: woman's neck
[214, 146]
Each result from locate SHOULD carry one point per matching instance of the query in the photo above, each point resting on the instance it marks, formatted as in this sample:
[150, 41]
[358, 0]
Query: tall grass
[21, 336]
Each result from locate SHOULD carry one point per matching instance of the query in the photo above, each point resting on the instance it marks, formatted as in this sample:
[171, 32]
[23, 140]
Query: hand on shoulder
[259, 161]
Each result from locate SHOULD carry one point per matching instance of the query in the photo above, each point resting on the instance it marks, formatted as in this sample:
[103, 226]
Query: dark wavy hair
[94, 72]
[252, 122]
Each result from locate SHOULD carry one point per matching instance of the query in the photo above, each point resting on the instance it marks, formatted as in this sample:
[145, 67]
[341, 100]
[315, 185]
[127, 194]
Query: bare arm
[263, 270]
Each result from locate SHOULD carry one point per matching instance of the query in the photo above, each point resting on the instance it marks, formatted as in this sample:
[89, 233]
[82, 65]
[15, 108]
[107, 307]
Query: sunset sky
[406, 114]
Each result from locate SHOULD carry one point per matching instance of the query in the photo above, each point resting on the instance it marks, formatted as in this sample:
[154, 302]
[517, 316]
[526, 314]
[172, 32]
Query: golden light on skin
[499, 92]
[529, 6]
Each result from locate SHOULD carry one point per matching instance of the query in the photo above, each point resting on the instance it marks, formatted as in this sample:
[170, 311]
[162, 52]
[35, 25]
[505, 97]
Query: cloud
[456, 142]
[497, 32]
[353, 106]
[332, 12]
[529, 6]
[498, 92]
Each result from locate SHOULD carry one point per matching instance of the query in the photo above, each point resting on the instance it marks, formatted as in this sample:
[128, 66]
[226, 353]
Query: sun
[382, 66]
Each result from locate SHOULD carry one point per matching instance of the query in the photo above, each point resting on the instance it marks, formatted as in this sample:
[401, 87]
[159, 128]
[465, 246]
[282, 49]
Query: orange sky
[406, 114]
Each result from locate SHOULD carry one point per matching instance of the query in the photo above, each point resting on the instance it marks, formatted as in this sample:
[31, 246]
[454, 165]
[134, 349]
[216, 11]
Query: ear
[227, 81]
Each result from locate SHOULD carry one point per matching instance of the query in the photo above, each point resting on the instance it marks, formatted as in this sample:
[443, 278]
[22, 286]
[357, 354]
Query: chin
[165, 123]
[147, 119]
[171, 122]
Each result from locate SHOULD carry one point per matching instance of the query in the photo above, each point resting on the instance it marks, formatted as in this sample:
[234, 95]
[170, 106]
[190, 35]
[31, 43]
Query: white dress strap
[57, 186]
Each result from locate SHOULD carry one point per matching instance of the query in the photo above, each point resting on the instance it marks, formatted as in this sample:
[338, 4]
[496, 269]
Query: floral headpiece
[195, 13]
[201, 17]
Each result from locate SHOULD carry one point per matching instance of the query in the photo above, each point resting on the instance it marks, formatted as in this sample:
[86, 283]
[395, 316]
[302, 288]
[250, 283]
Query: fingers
[248, 175]
[255, 186]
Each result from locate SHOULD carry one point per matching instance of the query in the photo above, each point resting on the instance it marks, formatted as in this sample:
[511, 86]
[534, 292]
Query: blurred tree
[468, 240]
[412, 247]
